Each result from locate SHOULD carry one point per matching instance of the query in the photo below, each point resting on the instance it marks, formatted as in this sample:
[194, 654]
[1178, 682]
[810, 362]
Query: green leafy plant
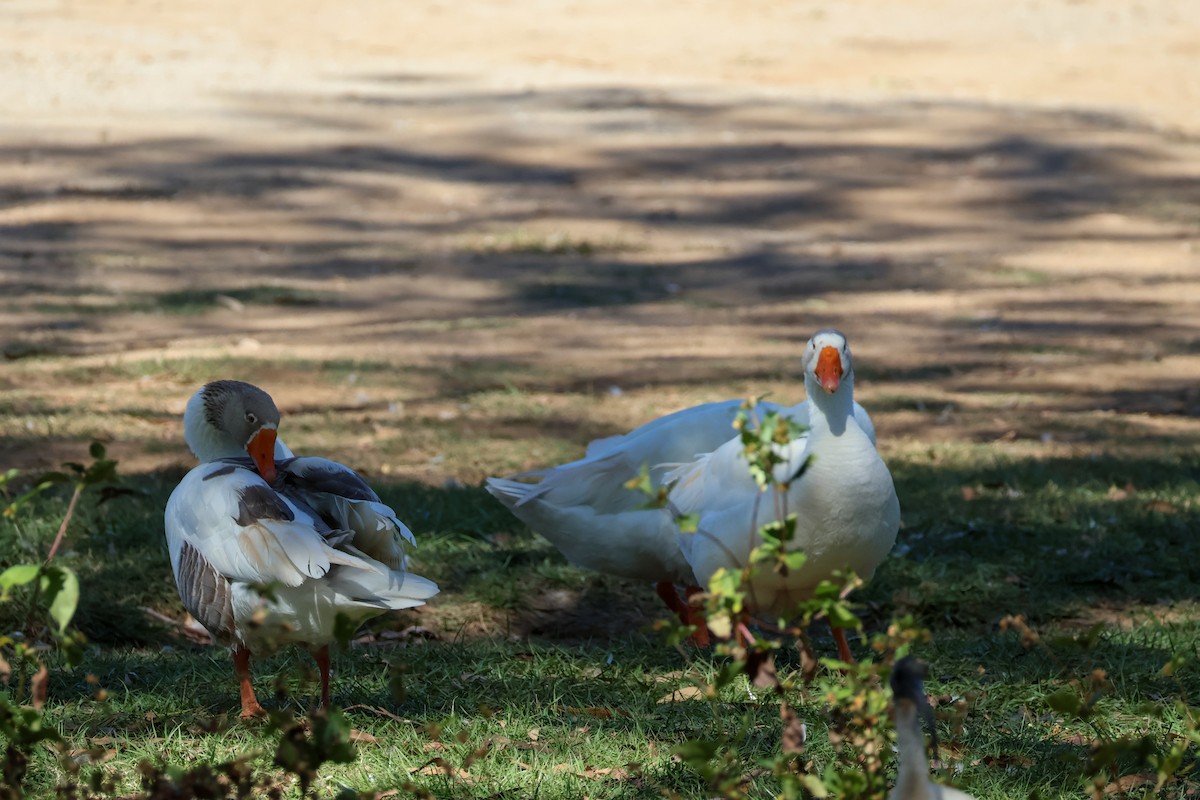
[1116, 763]
[54, 591]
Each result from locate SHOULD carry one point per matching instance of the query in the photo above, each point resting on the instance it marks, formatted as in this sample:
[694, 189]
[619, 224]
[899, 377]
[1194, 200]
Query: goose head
[908, 693]
[828, 367]
[908, 681]
[229, 419]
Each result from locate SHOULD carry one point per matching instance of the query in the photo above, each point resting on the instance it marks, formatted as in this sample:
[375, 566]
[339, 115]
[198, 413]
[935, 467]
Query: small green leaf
[1169, 763]
[1171, 667]
[721, 625]
[794, 561]
[17, 575]
[688, 523]
[697, 750]
[96, 450]
[815, 786]
[100, 472]
[641, 483]
[61, 588]
[1065, 701]
[840, 616]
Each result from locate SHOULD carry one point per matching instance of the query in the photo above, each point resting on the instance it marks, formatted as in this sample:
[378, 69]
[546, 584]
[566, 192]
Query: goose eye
[251, 418]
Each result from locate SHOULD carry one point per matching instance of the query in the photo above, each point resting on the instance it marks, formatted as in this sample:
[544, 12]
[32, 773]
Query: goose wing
[225, 525]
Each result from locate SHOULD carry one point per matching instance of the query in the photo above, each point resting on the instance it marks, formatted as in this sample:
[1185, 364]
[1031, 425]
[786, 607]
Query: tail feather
[392, 590]
[513, 494]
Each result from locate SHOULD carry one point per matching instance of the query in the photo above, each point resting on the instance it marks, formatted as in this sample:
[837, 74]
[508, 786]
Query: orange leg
[688, 616]
[666, 590]
[843, 646]
[696, 616]
[322, 657]
[241, 664]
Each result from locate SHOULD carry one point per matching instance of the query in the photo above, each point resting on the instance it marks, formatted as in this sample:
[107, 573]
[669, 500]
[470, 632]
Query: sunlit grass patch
[537, 671]
[1007, 275]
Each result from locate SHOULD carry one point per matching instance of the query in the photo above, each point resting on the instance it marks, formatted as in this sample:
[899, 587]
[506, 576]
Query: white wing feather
[203, 511]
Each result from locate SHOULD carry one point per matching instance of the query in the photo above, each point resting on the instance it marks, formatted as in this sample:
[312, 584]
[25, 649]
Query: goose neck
[204, 440]
[831, 411]
[912, 776]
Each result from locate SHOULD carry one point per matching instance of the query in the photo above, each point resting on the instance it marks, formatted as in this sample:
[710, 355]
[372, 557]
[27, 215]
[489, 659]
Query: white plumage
[846, 502]
[267, 552]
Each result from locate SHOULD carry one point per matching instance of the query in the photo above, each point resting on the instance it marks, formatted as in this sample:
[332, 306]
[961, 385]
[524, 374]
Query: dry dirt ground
[440, 232]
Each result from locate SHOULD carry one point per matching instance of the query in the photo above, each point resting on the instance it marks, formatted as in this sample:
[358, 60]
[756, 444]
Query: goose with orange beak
[269, 549]
[845, 502]
[587, 510]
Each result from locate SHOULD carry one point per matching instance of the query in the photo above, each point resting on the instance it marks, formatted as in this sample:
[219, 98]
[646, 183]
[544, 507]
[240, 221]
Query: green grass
[566, 700]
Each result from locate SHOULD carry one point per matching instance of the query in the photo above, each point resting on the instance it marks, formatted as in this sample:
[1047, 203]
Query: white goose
[268, 552]
[912, 777]
[845, 502]
[586, 510]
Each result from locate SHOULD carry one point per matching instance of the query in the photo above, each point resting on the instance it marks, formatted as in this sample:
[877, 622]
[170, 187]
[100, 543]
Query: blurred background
[458, 239]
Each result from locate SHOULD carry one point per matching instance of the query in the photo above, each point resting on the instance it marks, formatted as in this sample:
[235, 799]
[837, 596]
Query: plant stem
[62, 529]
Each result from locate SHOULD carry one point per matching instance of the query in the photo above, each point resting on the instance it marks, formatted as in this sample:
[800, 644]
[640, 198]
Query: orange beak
[262, 449]
[829, 369]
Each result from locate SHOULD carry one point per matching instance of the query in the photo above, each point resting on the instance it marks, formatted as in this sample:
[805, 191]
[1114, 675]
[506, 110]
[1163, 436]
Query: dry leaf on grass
[361, 737]
[794, 732]
[440, 766]
[1127, 782]
[760, 667]
[669, 677]
[94, 755]
[477, 754]
[683, 693]
[611, 773]
[39, 686]
[596, 773]
[595, 711]
[1003, 761]
[382, 712]
[501, 742]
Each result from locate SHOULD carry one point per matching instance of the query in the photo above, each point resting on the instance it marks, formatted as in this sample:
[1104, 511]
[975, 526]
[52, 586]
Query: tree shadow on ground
[794, 201]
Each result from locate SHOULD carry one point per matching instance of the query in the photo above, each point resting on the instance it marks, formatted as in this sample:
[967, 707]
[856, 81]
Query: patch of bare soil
[429, 207]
